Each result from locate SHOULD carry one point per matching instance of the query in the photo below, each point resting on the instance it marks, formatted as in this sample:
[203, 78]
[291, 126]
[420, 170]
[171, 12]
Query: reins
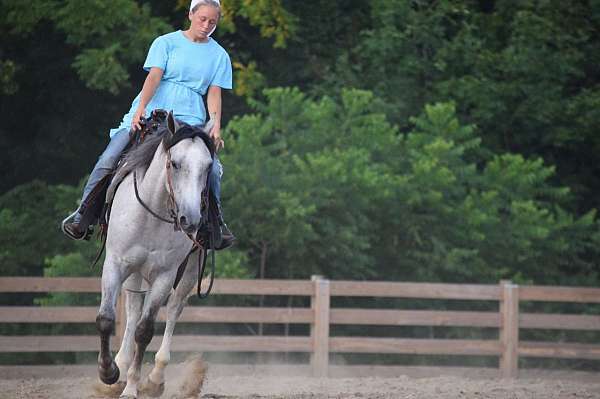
[173, 208]
[143, 204]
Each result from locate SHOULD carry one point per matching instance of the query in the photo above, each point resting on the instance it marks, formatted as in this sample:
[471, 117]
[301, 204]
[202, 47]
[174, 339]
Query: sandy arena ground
[273, 382]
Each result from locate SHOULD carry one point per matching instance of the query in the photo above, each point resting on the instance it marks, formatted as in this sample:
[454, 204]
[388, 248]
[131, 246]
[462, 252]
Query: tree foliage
[446, 140]
[326, 186]
[524, 72]
[29, 226]
[102, 30]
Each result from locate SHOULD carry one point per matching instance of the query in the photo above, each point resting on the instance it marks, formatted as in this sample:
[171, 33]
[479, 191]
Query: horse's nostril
[182, 221]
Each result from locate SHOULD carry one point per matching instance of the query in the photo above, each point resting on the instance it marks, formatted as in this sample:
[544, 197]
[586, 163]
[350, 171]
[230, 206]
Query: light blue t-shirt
[189, 69]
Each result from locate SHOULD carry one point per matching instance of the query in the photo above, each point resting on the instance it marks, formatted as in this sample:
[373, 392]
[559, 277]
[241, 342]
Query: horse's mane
[141, 156]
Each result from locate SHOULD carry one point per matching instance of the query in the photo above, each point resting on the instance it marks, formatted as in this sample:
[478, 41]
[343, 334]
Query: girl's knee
[108, 160]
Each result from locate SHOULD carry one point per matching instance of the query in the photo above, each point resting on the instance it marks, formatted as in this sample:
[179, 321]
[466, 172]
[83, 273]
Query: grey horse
[170, 174]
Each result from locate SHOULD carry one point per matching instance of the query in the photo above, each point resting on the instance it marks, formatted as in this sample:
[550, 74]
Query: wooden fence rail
[321, 315]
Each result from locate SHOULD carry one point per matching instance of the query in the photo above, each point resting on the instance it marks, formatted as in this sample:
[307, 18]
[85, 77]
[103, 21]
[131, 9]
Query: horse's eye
[175, 165]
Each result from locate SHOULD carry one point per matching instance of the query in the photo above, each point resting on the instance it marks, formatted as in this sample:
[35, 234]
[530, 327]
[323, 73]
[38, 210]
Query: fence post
[509, 330]
[319, 329]
[121, 318]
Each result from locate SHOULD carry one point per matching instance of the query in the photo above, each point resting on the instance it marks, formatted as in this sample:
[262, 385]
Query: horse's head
[189, 155]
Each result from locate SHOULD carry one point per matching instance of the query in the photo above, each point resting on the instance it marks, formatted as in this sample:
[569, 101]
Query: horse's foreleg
[105, 322]
[144, 330]
[134, 301]
[154, 385]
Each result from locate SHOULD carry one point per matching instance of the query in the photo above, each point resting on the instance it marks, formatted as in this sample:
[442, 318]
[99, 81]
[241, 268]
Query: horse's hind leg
[144, 331]
[154, 384]
[105, 322]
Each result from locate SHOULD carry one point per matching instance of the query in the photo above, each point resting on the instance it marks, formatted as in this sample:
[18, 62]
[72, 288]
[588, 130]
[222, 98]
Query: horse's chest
[164, 255]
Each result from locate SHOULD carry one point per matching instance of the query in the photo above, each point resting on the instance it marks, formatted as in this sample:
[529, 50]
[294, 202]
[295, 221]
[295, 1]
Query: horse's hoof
[149, 388]
[109, 375]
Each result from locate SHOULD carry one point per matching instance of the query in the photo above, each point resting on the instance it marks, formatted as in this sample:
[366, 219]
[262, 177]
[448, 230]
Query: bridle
[172, 206]
[200, 242]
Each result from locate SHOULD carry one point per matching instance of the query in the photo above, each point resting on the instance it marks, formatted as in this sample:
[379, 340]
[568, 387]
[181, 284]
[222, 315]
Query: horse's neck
[152, 185]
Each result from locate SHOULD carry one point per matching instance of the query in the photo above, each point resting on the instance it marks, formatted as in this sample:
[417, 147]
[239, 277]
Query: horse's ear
[172, 123]
[172, 127]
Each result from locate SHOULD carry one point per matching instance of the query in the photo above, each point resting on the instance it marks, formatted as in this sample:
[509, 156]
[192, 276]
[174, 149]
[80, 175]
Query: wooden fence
[320, 316]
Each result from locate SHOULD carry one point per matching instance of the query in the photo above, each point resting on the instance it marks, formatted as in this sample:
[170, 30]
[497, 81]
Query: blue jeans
[109, 158]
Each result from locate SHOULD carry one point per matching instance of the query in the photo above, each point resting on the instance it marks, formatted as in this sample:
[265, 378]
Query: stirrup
[85, 236]
[224, 244]
[227, 240]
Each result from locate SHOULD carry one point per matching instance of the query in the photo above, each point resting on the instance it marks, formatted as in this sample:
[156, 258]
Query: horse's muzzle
[186, 225]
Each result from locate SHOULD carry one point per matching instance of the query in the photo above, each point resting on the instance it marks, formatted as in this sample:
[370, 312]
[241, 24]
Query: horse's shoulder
[120, 174]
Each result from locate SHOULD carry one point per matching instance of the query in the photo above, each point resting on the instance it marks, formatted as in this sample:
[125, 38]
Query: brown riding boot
[76, 227]
[74, 231]
[227, 237]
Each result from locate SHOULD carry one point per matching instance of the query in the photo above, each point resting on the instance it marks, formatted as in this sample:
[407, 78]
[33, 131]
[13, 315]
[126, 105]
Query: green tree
[30, 218]
[102, 32]
[361, 193]
[294, 183]
[465, 217]
[524, 72]
[329, 186]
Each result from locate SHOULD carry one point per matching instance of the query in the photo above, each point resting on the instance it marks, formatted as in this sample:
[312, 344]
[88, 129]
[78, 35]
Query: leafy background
[451, 141]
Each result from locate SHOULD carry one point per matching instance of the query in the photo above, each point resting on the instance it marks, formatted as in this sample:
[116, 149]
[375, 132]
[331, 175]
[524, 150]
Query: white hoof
[128, 395]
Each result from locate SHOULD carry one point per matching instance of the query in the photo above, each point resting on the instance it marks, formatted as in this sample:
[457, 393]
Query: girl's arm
[213, 101]
[150, 84]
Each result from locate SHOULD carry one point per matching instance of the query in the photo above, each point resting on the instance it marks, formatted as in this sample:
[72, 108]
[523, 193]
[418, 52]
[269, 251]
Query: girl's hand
[215, 134]
[135, 122]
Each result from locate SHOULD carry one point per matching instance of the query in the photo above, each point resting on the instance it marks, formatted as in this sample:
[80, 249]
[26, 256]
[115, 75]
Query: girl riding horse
[183, 66]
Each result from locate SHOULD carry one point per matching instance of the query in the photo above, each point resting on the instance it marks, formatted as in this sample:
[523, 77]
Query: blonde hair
[198, 3]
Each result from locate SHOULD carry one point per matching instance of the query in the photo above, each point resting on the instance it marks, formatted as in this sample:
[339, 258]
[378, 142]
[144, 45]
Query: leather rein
[172, 204]
[174, 220]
